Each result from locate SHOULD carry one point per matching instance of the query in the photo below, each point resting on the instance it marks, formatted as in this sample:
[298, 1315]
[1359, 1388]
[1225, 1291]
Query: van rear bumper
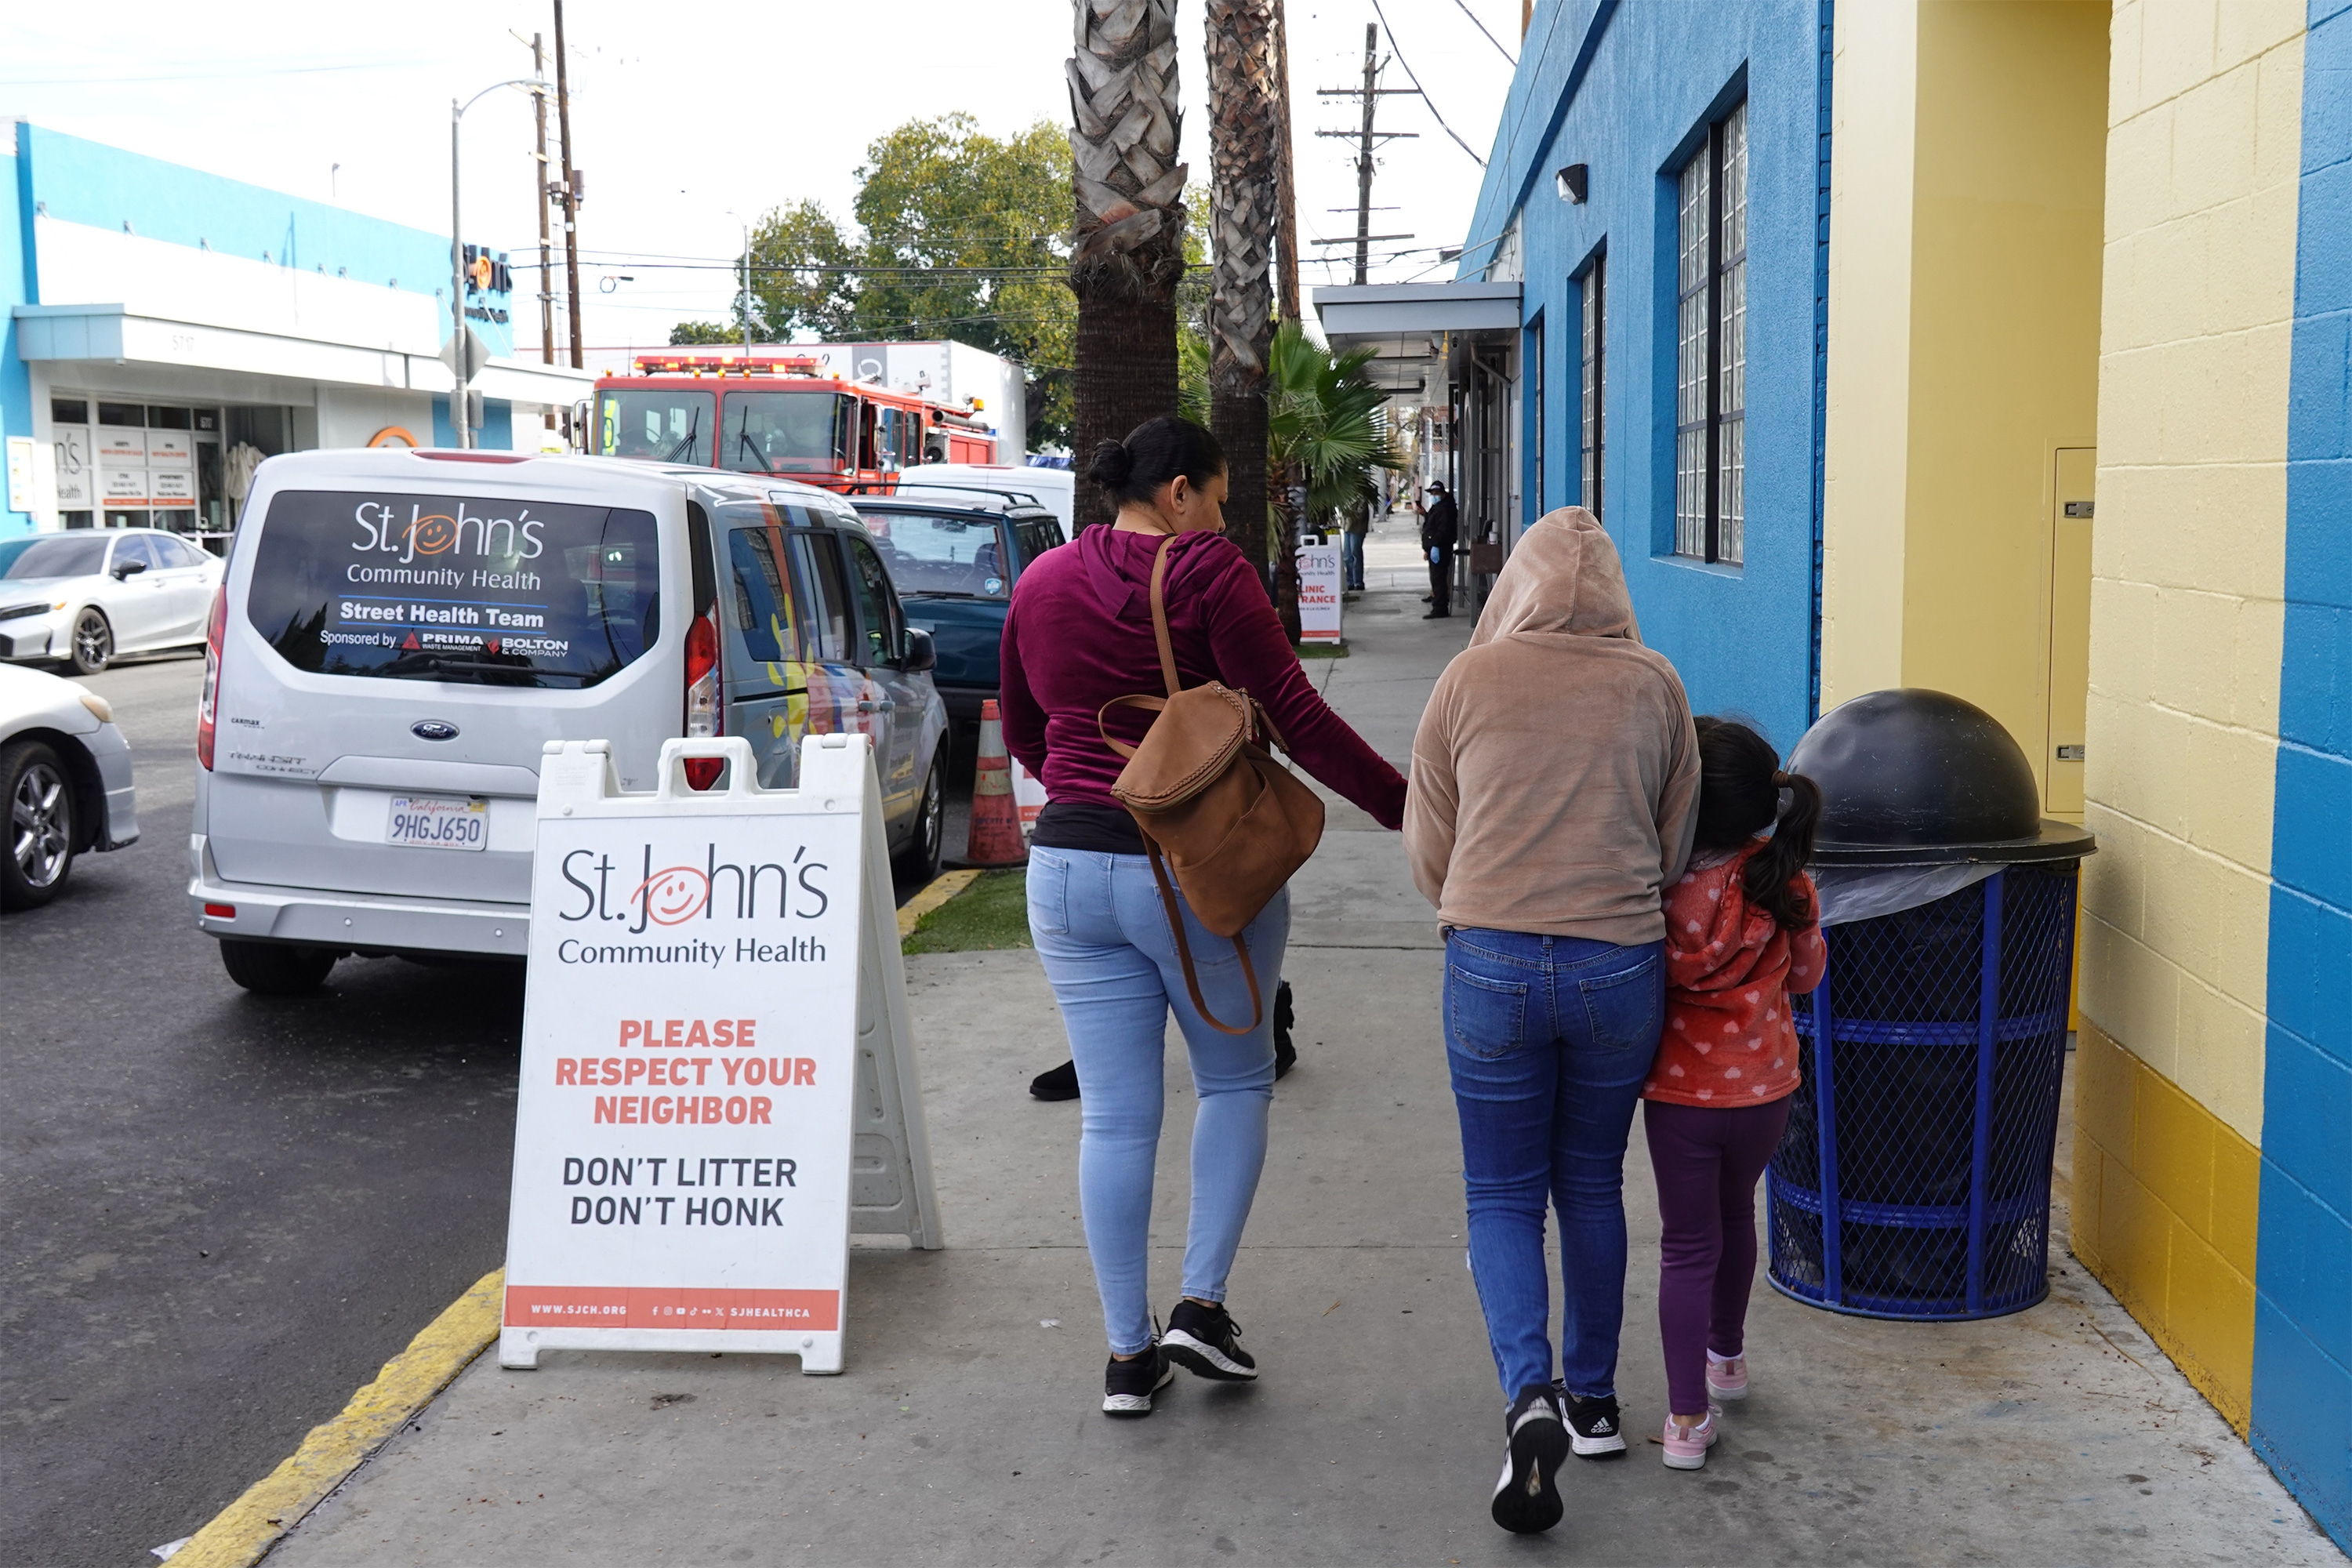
[363, 922]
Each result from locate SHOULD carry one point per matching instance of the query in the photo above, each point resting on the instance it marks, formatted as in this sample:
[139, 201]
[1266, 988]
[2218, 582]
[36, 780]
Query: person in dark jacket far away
[1441, 525]
[1078, 635]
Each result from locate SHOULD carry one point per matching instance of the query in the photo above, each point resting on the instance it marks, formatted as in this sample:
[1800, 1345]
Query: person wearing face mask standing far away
[1441, 526]
[1080, 634]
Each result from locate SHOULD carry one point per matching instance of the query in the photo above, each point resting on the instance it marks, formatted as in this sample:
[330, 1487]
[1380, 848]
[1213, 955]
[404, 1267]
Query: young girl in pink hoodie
[1742, 936]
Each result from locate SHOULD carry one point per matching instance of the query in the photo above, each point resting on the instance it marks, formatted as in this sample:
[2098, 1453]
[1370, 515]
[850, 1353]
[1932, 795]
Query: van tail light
[209, 703]
[701, 772]
[703, 716]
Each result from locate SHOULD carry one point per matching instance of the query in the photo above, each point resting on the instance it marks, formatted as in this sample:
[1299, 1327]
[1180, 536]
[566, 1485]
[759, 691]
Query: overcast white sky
[684, 114]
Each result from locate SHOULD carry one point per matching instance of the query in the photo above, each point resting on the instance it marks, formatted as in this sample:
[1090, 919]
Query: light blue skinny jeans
[1100, 929]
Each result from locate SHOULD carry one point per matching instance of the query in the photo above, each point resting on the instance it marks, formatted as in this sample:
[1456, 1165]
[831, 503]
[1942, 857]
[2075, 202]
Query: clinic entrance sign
[1319, 594]
[718, 1083]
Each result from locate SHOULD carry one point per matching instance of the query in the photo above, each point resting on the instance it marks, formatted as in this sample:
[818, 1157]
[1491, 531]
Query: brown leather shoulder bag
[1232, 823]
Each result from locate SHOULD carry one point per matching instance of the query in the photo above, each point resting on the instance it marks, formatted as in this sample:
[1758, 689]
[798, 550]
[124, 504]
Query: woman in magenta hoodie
[1079, 634]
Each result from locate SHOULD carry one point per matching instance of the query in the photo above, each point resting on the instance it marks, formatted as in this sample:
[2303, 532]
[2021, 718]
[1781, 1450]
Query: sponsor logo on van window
[383, 531]
[673, 895]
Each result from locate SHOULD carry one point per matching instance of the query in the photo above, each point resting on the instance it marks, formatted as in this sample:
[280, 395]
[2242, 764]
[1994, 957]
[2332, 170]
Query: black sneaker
[1595, 1429]
[1527, 1499]
[1285, 1054]
[1058, 1083]
[1129, 1386]
[1205, 1341]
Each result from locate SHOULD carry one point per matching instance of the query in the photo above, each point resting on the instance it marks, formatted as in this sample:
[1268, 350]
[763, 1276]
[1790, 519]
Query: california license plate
[438, 822]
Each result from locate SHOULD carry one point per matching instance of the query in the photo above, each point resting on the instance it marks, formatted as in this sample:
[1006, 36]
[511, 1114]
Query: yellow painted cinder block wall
[2188, 556]
[1965, 200]
[2004, 337]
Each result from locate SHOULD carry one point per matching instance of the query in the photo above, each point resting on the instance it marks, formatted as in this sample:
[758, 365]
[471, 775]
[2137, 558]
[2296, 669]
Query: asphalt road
[222, 1212]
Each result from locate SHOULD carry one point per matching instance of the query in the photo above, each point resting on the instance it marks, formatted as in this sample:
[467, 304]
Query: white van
[401, 632]
[1053, 488]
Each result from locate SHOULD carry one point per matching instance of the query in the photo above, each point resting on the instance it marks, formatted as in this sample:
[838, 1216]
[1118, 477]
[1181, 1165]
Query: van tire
[91, 648]
[276, 969]
[918, 863]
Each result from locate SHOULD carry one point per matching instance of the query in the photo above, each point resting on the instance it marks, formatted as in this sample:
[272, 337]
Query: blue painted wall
[90, 183]
[16, 284]
[1628, 90]
[497, 433]
[2303, 1289]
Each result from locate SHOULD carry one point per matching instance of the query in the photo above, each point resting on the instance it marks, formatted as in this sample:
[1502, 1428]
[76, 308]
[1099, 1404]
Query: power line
[1482, 27]
[1399, 51]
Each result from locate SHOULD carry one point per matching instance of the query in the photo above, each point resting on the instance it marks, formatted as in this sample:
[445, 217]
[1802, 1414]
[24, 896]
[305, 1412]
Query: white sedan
[65, 774]
[86, 596]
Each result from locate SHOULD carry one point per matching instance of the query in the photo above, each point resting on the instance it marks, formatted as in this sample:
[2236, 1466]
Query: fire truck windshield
[784, 432]
[653, 422]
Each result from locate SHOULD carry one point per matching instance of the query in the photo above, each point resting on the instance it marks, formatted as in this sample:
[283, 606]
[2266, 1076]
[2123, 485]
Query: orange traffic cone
[996, 821]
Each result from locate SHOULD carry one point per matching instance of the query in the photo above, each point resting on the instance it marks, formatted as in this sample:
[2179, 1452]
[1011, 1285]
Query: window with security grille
[1593, 383]
[1711, 347]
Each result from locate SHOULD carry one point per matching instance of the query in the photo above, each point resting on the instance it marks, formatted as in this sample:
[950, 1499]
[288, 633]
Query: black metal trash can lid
[1915, 777]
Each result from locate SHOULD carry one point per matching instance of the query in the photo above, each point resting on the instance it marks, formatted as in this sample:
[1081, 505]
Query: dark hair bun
[1113, 465]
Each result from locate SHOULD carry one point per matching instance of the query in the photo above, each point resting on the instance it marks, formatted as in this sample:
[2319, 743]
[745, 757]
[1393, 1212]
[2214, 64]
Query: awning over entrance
[1413, 326]
[117, 335]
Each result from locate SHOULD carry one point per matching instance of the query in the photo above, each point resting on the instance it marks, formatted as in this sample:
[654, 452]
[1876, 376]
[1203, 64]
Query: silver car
[65, 773]
[87, 595]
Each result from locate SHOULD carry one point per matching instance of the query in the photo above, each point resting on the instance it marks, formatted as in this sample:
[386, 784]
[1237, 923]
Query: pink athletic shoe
[1727, 1377]
[1687, 1447]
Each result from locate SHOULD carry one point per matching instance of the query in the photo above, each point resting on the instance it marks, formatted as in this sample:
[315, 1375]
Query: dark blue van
[954, 556]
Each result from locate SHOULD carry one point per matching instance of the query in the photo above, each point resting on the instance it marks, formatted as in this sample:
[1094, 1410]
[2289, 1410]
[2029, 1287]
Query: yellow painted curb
[947, 886]
[240, 1535]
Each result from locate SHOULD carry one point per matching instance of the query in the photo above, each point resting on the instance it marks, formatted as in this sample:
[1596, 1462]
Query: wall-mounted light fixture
[1570, 182]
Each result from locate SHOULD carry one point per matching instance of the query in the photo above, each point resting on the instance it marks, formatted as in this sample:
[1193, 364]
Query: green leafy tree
[1325, 419]
[958, 235]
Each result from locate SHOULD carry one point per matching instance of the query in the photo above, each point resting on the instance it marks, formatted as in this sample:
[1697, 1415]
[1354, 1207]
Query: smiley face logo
[431, 535]
[675, 893]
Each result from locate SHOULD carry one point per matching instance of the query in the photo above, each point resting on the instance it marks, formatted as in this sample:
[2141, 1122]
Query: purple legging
[1706, 1162]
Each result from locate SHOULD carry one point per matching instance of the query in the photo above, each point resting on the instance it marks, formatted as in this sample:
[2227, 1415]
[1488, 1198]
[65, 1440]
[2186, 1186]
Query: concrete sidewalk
[966, 1430]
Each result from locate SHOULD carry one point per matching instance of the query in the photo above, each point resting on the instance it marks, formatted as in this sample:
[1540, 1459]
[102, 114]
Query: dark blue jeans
[1549, 1039]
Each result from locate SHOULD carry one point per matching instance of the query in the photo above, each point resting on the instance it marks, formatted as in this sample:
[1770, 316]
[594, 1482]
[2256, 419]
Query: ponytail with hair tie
[1741, 781]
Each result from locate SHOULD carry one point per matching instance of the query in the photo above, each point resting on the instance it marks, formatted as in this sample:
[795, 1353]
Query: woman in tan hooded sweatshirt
[1555, 788]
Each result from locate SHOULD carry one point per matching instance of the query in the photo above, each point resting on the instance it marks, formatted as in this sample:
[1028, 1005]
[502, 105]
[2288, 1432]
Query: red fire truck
[786, 416]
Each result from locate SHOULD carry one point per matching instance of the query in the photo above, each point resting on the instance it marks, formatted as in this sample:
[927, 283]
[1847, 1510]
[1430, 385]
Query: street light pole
[459, 420]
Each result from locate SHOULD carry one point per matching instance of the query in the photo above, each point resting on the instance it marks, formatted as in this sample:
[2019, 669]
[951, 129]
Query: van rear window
[503, 593]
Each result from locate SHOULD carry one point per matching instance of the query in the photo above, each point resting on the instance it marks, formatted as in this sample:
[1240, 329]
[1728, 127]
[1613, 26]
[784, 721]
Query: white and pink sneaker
[1687, 1447]
[1727, 1377]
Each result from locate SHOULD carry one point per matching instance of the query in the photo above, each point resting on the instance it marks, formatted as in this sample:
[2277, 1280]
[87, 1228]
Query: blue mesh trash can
[1914, 1179]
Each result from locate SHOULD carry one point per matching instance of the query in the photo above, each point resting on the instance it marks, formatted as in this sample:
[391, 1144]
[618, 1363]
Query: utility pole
[546, 261]
[1286, 193]
[1365, 139]
[1364, 154]
[571, 186]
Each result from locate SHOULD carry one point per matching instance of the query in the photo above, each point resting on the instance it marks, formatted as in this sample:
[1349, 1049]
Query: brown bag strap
[1184, 953]
[1160, 616]
[1154, 704]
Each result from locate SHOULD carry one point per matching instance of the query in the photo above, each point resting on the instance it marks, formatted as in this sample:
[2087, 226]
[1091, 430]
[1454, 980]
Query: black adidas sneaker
[1129, 1386]
[1205, 1341]
[1596, 1430]
[1527, 1499]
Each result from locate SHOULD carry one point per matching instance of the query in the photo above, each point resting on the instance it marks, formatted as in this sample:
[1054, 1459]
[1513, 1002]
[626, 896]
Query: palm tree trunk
[1242, 136]
[1127, 249]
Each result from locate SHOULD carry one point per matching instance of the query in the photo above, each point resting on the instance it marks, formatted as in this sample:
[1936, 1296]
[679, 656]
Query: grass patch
[990, 915]
[1321, 650]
